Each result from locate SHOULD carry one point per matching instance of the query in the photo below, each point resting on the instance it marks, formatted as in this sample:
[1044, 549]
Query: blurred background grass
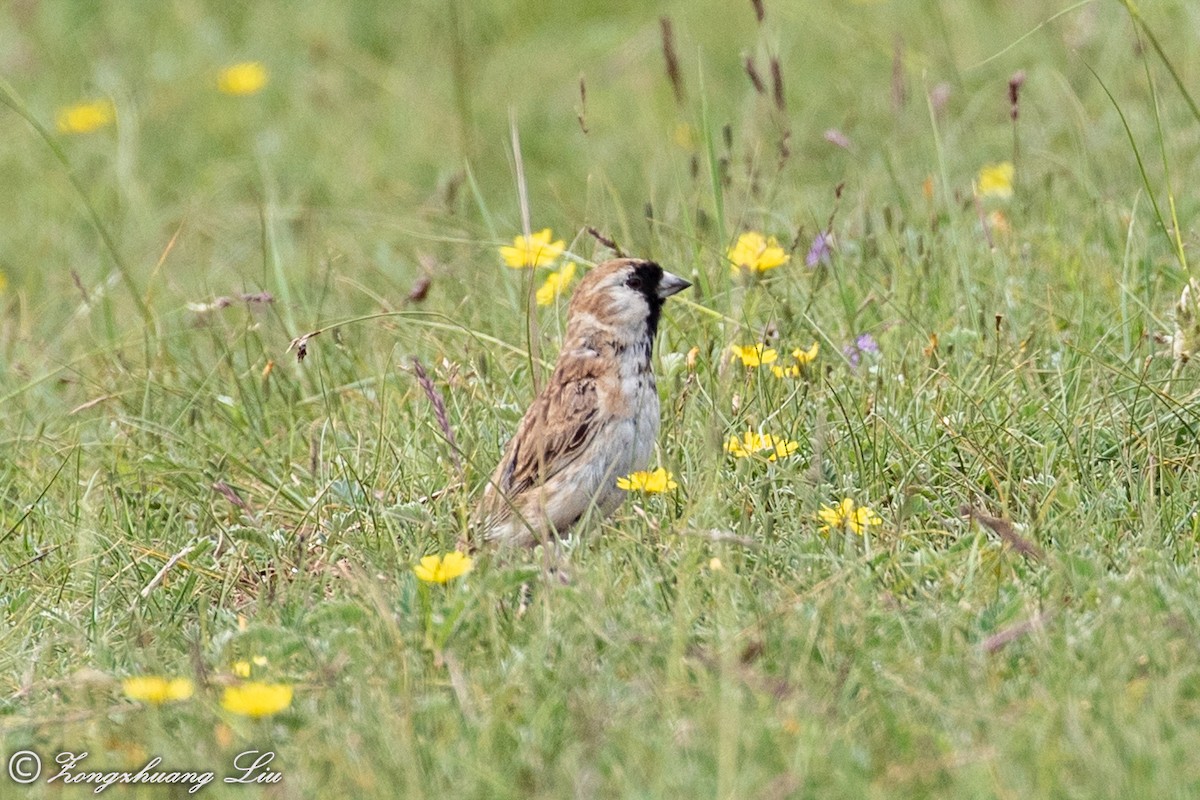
[357, 149]
[378, 153]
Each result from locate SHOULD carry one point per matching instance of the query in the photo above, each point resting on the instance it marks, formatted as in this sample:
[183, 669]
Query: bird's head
[625, 295]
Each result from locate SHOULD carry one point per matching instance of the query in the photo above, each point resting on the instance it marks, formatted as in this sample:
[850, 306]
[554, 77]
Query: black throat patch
[648, 275]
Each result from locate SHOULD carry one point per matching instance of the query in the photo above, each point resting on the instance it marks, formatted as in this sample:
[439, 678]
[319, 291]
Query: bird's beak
[671, 284]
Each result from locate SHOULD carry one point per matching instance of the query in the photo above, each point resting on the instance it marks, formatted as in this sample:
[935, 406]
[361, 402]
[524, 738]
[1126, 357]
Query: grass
[143, 425]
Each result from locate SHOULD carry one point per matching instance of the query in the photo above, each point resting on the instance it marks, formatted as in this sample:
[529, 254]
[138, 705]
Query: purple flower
[821, 250]
[863, 343]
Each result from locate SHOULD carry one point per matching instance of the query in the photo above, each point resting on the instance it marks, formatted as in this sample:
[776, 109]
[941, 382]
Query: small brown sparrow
[597, 418]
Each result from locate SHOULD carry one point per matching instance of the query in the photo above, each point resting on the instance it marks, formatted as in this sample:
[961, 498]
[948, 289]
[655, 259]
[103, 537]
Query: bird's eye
[634, 282]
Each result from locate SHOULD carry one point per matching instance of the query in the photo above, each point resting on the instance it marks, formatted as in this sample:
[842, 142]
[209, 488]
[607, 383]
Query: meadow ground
[180, 497]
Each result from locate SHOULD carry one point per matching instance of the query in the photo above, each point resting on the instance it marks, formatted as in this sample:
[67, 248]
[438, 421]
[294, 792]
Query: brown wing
[556, 428]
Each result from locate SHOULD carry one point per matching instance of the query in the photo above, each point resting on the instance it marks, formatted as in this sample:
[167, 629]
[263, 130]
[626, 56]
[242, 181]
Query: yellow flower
[654, 482]
[256, 699]
[751, 443]
[440, 569]
[156, 690]
[535, 250]
[754, 355]
[806, 357]
[715, 565]
[248, 77]
[844, 516]
[803, 359]
[995, 180]
[85, 117]
[555, 283]
[243, 668]
[756, 254]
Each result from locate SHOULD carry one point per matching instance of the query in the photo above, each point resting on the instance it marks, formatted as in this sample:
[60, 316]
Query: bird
[596, 419]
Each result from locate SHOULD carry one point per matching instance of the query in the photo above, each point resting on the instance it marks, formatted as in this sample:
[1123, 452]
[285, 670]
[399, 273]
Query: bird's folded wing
[558, 426]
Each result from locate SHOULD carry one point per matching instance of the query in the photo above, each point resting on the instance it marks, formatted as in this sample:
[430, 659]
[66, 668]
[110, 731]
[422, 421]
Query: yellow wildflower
[248, 77]
[256, 699]
[755, 253]
[715, 565]
[156, 690]
[803, 359]
[85, 117]
[654, 482]
[995, 180]
[754, 355]
[535, 250]
[845, 516]
[806, 357]
[243, 668]
[751, 442]
[440, 569]
[555, 283]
